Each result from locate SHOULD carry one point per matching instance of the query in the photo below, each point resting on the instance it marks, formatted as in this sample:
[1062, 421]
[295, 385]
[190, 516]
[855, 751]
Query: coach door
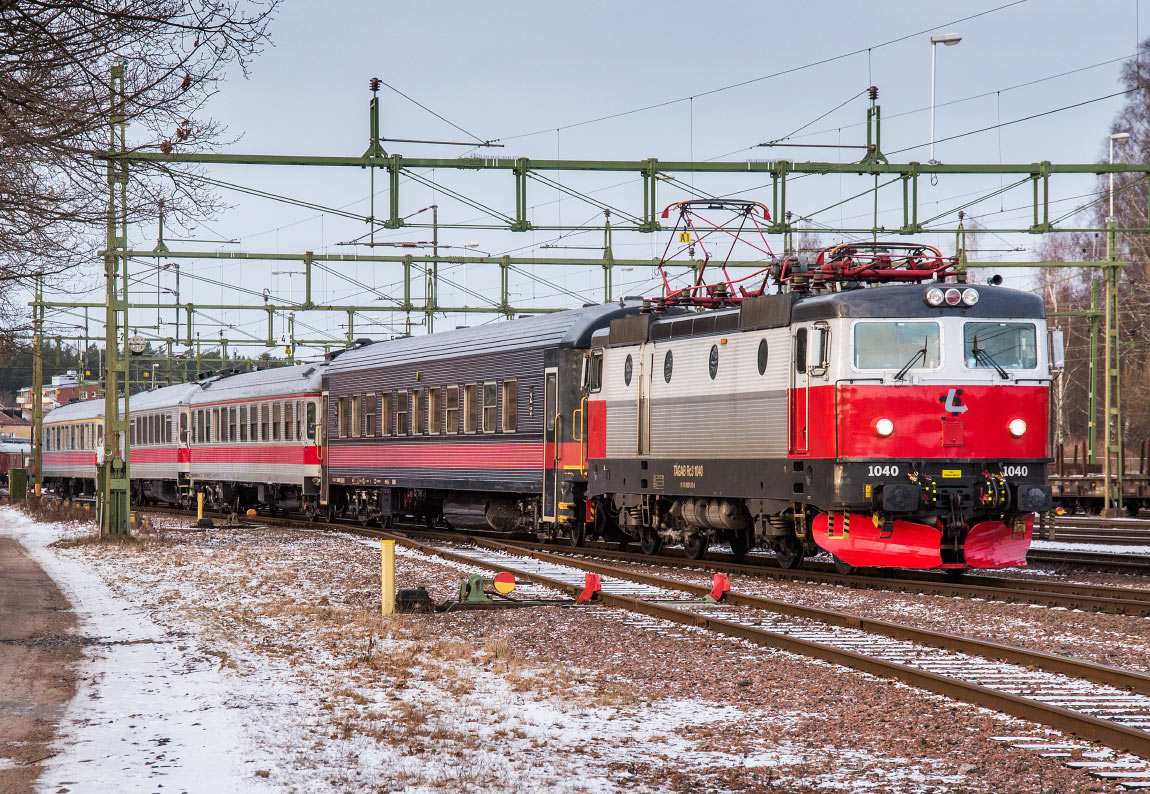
[797, 402]
[552, 430]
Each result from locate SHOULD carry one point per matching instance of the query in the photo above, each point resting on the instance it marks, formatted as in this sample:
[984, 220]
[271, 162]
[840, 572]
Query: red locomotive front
[891, 424]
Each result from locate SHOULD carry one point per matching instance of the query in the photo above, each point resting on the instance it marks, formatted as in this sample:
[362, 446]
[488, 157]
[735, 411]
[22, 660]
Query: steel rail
[1092, 728]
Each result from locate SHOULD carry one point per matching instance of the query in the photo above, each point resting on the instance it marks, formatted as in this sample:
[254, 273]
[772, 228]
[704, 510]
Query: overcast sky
[503, 70]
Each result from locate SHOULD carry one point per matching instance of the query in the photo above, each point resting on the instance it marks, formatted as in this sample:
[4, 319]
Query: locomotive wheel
[578, 534]
[842, 566]
[740, 542]
[651, 543]
[790, 554]
[696, 546]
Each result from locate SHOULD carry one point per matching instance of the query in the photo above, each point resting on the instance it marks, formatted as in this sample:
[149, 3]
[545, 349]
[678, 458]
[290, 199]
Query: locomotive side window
[511, 400]
[820, 350]
[452, 409]
[595, 378]
[896, 345]
[801, 350]
[999, 345]
[435, 410]
[470, 407]
[490, 406]
[762, 356]
[311, 421]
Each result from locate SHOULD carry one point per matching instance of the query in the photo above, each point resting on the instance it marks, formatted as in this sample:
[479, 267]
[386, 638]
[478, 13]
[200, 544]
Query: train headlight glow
[934, 297]
[970, 296]
[953, 297]
[884, 427]
[1017, 427]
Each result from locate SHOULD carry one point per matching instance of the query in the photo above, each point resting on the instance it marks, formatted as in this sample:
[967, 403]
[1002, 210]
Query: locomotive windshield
[1000, 346]
[896, 345]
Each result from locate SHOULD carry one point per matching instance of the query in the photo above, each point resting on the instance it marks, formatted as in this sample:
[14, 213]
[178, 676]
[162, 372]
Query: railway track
[1094, 702]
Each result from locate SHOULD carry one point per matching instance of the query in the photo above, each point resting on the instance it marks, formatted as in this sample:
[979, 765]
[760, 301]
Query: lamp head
[949, 39]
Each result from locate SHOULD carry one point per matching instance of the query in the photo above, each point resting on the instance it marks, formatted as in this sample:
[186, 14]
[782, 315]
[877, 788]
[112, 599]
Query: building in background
[63, 389]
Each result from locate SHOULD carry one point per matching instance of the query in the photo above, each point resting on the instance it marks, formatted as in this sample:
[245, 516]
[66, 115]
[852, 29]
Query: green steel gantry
[113, 493]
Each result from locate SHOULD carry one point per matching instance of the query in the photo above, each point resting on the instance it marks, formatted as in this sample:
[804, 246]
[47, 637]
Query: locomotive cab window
[901, 346]
[999, 346]
[801, 351]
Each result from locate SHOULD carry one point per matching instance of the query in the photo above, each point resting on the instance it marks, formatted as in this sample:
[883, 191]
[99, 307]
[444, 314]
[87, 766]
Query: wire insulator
[375, 83]
[873, 93]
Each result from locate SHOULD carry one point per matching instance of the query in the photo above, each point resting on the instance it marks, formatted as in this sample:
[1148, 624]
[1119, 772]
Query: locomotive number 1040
[882, 470]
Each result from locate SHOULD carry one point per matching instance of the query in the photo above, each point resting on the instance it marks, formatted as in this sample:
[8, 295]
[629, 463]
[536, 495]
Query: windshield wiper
[980, 354]
[920, 353]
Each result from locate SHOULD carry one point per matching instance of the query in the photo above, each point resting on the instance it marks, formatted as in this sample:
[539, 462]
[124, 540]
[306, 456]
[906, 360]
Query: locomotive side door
[645, 362]
[551, 436]
[797, 402]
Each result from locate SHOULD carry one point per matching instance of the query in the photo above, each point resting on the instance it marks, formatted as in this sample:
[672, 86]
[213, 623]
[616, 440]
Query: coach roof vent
[364, 342]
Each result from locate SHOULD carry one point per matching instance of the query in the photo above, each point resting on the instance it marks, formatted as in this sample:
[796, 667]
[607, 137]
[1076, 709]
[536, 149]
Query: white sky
[503, 69]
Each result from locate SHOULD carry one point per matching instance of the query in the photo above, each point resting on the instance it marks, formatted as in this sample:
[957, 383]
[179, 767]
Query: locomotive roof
[571, 328]
[296, 379]
[906, 300]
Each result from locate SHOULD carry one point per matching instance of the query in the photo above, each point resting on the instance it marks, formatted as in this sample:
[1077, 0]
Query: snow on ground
[256, 660]
[119, 735]
[1095, 548]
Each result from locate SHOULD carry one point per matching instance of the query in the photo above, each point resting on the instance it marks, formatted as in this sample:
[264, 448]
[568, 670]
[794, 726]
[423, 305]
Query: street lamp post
[949, 39]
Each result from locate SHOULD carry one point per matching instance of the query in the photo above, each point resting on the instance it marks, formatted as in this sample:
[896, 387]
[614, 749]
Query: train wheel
[790, 554]
[740, 542]
[696, 546]
[650, 542]
[578, 534]
[842, 566]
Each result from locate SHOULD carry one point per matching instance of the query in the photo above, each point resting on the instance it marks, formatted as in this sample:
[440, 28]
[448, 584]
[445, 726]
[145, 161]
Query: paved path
[38, 655]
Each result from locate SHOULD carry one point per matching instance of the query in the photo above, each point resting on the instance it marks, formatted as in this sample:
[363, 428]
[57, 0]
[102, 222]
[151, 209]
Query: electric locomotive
[871, 409]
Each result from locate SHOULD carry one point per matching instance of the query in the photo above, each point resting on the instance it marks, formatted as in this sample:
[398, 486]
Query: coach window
[299, 420]
[370, 405]
[183, 428]
[311, 421]
[233, 424]
[511, 403]
[208, 437]
[402, 428]
[341, 421]
[470, 407]
[277, 417]
[243, 423]
[452, 409]
[801, 350]
[490, 406]
[386, 414]
[265, 422]
[356, 403]
[435, 411]
[287, 422]
[418, 412]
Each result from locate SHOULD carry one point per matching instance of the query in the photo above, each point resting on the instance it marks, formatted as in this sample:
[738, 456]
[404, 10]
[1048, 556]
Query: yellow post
[387, 569]
[199, 505]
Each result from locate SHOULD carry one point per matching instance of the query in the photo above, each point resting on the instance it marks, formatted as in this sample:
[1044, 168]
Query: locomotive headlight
[884, 427]
[1017, 427]
[953, 297]
[934, 297]
[970, 296]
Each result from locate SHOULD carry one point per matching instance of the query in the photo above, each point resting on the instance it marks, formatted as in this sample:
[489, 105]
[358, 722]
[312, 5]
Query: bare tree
[55, 114]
